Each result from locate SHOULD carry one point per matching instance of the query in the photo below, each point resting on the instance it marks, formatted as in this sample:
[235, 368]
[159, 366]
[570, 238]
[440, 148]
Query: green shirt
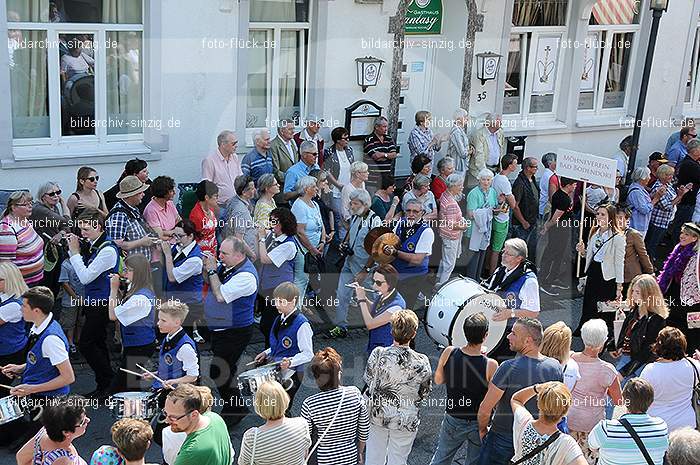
[208, 446]
[477, 199]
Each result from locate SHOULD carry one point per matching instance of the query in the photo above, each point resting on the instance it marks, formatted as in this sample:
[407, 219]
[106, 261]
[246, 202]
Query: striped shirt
[617, 446]
[339, 446]
[449, 216]
[255, 164]
[383, 166]
[664, 210]
[20, 244]
[285, 444]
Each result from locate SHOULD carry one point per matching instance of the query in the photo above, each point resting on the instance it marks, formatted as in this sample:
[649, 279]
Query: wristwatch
[368, 269]
[211, 272]
[512, 313]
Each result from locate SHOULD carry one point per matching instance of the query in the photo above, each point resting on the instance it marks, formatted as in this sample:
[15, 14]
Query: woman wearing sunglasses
[86, 193]
[385, 303]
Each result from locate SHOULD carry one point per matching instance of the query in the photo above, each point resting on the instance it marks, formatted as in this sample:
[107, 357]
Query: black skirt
[597, 290]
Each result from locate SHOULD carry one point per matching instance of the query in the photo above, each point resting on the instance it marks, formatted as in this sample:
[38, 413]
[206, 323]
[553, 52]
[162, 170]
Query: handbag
[637, 439]
[537, 449]
[695, 399]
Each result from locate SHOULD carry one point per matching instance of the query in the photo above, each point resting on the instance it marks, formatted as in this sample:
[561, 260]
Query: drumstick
[5, 386]
[163, 382]
[131, 372]
[360, 287]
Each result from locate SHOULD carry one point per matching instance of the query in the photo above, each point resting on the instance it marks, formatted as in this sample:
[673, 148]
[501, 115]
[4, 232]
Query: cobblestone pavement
[353, 351]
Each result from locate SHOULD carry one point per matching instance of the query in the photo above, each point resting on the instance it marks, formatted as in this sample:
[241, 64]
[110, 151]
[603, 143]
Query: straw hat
[130, 186]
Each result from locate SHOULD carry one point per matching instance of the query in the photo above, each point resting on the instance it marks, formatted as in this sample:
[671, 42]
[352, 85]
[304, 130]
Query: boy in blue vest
[290, 337]
[47, 371]
[178, 361]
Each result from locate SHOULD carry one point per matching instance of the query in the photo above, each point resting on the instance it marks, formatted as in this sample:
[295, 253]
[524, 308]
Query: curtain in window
[539, 12]
[124, 82]
[258, 79]
[28, 85]
[28, 10]
[122, 11]
[273, 10]
[289, 80]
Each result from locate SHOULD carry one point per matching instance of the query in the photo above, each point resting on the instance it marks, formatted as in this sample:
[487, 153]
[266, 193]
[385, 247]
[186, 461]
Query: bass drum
[454, 301]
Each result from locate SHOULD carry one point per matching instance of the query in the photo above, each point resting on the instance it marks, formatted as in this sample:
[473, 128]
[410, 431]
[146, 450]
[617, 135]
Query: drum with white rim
[454, 301]
[249, 381]
[11, 409]
[141, 405]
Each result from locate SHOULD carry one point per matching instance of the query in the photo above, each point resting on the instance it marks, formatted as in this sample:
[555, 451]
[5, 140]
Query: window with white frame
[75, 71]
[278, 38]
[534, 55]
[609, 55]
[691, 98]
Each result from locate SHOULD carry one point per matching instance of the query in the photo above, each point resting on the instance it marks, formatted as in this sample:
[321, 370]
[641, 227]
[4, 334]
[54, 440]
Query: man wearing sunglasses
[679, 150]
[188, 410]
[412, 255]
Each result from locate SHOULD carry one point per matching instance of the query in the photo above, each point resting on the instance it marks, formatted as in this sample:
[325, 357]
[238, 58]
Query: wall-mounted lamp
[658, 5]
[487, 65]
[368, 71]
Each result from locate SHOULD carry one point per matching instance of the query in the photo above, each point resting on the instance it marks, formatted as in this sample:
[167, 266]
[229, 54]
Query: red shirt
[438, 187]
[205, 225]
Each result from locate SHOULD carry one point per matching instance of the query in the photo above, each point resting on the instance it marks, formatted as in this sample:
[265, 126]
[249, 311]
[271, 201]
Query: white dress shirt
[11, 312]
[187, 355]
[529, 294]
[494, 149]
[190, 267]
[242, 285]
[133, 309]
[283, 252]
[52, 347]
[304, 340]
[105, 260]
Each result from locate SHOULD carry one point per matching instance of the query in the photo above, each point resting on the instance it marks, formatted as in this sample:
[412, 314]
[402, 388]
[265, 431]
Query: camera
[123, 284]
[344, 250]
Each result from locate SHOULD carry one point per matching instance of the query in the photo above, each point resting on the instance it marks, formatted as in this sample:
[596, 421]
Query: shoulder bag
[537, 449]
[695, 399]
[637, 440]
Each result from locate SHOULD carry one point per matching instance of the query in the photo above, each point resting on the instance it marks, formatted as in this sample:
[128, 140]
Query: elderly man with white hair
[308, 157]
[359, 172]
[357, 261]
[259, 160]
[598, 380]
[223, 167]
[284, 150]
[458, 147]
[516, 282]
[311, 134]
[451, 225]
[683, 447]
[641, 203]
[482, 203]
[489, 146]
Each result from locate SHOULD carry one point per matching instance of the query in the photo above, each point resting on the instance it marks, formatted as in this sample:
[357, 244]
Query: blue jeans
[621, 362]
[497, 449]
[453, 433]
[653, 238]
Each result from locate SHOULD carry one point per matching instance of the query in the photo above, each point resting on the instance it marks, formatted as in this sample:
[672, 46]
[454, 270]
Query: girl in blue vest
[47, 371]
[277, 251]
[290, 337]
[182, 280]
[13, 335]
[387, 301]
[133, 308]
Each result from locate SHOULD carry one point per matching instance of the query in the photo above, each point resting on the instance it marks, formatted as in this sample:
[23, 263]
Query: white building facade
[97, 82]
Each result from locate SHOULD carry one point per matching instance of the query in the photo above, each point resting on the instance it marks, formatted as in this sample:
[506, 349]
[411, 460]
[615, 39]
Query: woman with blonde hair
[605, 265]
[556, 343]
[598, 381]
[19, 241]
[679, 281]
[86, 194]
[647, 316]
[13, 337]
[540, 439]
[132, 303]
[263, 445]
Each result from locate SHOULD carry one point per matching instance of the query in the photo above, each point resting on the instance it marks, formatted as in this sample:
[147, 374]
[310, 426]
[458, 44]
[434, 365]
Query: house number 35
[481, 96]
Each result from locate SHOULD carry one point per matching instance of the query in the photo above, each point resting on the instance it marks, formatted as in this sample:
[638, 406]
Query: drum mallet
[6, 386]
[131, 372]
[163, 382]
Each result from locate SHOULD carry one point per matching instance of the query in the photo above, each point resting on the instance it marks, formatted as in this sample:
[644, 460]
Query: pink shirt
[159, 217]
[216, 169]
[449, 216]
[590, 393]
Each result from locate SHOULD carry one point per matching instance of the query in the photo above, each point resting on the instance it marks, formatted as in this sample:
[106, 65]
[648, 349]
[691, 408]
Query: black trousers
[557, 256]
[131, 356]
[93, 344]
[268, 313]
[597, 290]
[196, 312]
[227, 346]
[409, 289]
[297, 378]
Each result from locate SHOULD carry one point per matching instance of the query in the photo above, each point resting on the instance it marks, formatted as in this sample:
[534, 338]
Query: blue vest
[13, 336]
[98, 288]
[271, 276]
[381, 336]
[285, 344]
[237, 314]
[511, 296]
[405, 269]
[143, 331]
[190, 290]
[39, 369]
[169, 367]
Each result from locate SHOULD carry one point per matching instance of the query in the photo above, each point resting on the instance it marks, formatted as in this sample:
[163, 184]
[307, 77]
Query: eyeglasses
[413, 211]
[26, 204]
[93, 178]
[693, 135]
[85, 421]
[377, 282]
[54, 194]
[179, 236]
[345, 138]
[173, 419]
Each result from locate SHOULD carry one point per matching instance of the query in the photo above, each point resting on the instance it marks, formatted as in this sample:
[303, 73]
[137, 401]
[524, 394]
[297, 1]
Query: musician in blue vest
[277, 251]
[386, 301]
[47, 371]
[183, 280]
[233, 288]
[13, 336]
[290, 337]
[412, 255]
[178, 361]
[516, 282]
[99, 259]
[132, 302]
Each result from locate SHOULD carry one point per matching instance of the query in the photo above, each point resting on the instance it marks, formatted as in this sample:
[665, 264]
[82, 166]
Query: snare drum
[10, 409]
[249, 381]
[142, 405]
[454, 301]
